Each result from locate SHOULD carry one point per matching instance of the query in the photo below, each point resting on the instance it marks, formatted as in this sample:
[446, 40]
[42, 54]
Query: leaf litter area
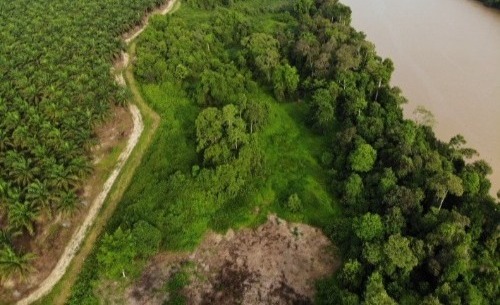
[276, 263]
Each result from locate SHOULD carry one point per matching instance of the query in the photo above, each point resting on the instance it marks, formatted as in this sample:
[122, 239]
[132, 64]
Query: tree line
[419, 225]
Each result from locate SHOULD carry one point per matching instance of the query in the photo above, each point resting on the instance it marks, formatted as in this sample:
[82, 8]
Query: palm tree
[13, 264]
[67, 203]
[22, 216]
[80, 167]
[58, 177]
[3, 188]
[11, 120]
[21, 172]
[6, 237]
[3, 139]
[20, 137]
[38, 193]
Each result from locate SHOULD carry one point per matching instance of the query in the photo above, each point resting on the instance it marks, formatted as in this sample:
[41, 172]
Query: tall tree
[363, 158]
[264, 52]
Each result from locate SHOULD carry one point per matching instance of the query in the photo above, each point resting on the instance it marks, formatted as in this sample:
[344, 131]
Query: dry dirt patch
[113, 132]
[276, 263]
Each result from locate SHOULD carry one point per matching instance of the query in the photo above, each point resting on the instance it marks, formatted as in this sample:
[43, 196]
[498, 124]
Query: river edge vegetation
[272, 106]
[55, 88]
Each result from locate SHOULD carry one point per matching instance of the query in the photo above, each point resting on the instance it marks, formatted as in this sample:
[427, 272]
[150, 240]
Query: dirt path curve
[78, 237]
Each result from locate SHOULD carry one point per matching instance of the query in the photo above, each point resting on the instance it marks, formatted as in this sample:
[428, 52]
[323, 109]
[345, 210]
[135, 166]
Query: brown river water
[447, 59]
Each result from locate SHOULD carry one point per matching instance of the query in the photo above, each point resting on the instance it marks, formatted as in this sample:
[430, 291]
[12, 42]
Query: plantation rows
[55, 86]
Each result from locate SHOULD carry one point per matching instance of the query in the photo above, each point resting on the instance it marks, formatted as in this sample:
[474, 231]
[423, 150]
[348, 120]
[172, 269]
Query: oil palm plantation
[55, 87]
[14, 264]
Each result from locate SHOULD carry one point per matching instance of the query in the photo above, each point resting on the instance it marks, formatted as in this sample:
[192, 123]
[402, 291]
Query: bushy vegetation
[55, 86]
[281, 106]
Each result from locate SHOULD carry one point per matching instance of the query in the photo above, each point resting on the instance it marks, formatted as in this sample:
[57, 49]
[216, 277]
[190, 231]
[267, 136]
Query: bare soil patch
[276, 263]
[113, 133]
[52, 233]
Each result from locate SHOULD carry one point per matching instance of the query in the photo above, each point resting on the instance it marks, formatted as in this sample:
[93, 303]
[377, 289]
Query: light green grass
[292, 153]
[291, 160]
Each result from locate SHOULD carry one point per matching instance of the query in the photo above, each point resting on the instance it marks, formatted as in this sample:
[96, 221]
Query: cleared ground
[276, 263]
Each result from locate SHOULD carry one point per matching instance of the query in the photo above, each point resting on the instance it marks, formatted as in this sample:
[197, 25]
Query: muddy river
[447, 59]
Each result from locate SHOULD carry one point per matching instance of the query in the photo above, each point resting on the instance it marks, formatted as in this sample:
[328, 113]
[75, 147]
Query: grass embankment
[62, 290]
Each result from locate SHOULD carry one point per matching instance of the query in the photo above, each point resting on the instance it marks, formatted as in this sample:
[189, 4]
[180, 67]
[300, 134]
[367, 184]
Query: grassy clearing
[292, 156]
[292, 153]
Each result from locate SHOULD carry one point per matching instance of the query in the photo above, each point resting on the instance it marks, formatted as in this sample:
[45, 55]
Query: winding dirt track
[78, 237]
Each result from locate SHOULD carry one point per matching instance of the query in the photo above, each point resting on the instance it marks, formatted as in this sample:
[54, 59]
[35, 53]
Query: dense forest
[281, 106]
[55, 87]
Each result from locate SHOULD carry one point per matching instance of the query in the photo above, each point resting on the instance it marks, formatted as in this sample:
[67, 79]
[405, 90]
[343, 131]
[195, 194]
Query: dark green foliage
[363, 158]
[263, 53]
[220, 134]
[175, 285]
[409, 196]
[210, 4]
[256, 114]
[147, 238]
[368, 227]
[285, 81]
[375, 293]
[82, 291]
[13, 264]
[294, 204]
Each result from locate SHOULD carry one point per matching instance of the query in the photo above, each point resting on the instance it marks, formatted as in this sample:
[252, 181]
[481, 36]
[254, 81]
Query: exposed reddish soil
[277, 263]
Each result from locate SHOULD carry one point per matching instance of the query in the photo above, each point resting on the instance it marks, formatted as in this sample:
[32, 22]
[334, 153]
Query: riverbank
[446, 62]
